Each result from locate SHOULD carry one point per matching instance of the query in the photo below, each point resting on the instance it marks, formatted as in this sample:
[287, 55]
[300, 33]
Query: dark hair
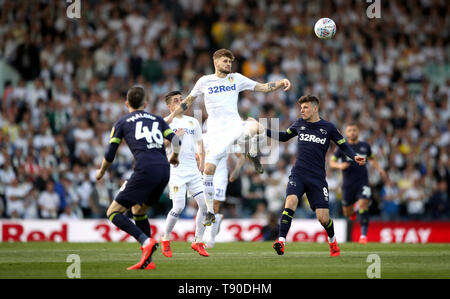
[136, 96]
[223, 52]
[171, 94]
[308, 99]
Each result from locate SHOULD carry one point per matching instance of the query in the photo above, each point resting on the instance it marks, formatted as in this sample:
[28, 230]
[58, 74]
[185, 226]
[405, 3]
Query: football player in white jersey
[220, 92]
[186, 176]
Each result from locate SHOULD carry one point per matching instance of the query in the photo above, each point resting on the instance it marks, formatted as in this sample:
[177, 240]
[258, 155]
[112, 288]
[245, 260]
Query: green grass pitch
[239, 260]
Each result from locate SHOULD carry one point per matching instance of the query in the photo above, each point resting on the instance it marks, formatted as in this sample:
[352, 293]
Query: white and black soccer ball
[325, 28]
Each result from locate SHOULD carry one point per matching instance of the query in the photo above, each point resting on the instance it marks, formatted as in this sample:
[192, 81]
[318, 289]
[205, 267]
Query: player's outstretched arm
[272, 86]
[340, 141]
[184, 105]
[348, 151]
[281, 136]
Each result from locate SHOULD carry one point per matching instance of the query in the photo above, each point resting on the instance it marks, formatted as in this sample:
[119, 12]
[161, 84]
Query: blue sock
[285, 222]
[329, 228]
[364, 221]
[142, 222]
[125, 224]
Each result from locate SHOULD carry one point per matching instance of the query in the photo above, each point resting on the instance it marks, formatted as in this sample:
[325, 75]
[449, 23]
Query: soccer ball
[325, 28]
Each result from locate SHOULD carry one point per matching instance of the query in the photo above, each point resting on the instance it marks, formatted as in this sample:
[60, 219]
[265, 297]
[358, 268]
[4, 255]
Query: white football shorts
[179, 184]
[219, 145]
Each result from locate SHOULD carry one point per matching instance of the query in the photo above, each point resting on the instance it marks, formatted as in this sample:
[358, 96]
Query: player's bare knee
[323, 216]
[210, 169]
[323, 219]
[139, 209]
[115, 207]
[111, 212]
[363, 204]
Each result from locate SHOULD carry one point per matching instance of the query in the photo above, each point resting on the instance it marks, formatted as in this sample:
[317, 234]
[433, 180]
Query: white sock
[215, 227]
[146, 242]
[256, 143]
[172, 218]
[209, 192]
[253, 149]
[281, 239]
[201, 214]
[261, 139]
[331, 240]
[170, 223]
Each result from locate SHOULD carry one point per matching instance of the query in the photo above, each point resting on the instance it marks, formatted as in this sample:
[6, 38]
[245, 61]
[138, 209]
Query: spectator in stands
[49, 202]
[275, 188]
[271, 229]
[390, 205]
[260, 212]
[439, 202]
[68, 214]
[15, 194]
[83, 135]
[27, 59]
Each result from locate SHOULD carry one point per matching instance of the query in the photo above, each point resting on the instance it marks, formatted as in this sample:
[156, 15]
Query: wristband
[183, 106]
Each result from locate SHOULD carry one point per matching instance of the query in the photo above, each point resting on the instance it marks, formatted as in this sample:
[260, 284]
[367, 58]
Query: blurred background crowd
[63, 85]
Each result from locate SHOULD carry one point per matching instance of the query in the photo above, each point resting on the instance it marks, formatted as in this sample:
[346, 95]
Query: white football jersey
[221, 99]
[192, 133]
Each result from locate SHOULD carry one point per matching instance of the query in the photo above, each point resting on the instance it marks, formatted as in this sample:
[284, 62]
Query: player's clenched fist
[173, 159]
[360, 160]
[287, 85]
[179, 132]
[99, 174]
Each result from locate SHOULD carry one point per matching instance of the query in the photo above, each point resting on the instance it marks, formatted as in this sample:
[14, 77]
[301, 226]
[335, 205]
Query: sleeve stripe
[341, 141]
[115, 140]
[289, 131]
[167, 132]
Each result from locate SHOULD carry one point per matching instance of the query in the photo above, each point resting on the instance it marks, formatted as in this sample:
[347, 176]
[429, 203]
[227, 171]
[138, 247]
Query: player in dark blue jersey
[308, 174]
[144, 134]
[355, 187]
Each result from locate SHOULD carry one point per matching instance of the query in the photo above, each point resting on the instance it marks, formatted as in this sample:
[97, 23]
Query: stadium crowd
[390, 75]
